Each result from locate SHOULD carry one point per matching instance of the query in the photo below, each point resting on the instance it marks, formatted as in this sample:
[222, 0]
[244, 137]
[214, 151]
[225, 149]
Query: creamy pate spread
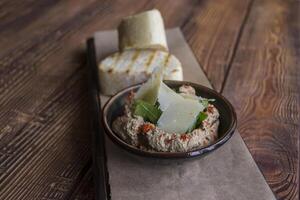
[145, 135]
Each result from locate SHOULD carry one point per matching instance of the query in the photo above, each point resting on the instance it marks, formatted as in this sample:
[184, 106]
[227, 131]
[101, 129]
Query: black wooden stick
[98, 139]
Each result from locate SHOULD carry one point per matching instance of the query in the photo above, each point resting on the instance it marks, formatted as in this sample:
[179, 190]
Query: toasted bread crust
[123, 69]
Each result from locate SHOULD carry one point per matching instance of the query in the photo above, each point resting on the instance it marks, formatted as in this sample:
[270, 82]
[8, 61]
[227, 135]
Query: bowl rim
[188, 154]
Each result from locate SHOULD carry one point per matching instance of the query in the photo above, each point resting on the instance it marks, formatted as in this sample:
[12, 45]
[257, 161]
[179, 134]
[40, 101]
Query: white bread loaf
[123, 69]
[143, 31]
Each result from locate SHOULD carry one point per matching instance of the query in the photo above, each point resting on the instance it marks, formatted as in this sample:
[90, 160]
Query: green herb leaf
[149, 112]
[200, 118]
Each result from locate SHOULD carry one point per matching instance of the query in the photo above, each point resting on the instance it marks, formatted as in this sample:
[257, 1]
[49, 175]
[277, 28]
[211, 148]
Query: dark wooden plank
[213, 31]
[25, 23]
[85, 189]
[176, 12]
[101, 177]
[264, 84]
[45, 156]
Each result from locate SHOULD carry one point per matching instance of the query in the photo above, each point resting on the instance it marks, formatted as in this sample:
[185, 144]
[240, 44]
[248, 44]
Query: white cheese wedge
[180, 116]
[143, 31]
[166, 96]
[126, 68]
[149, 90]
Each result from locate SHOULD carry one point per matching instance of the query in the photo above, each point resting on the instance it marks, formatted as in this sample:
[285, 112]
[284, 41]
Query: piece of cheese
[148, 92]
[180, 115]
[166, 96]
[143, 31]
[123, 69]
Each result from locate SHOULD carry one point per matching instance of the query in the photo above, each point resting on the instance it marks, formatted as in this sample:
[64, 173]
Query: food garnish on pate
[156, 118]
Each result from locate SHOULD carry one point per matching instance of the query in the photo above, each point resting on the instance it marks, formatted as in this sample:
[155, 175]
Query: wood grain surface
[249, 49]
[266, 92]
[213, 32]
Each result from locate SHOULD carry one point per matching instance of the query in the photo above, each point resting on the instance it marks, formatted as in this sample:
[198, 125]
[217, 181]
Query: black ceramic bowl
[115, 107]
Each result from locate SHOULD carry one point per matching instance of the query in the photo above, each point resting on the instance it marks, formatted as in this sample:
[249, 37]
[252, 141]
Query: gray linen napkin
[229, 173]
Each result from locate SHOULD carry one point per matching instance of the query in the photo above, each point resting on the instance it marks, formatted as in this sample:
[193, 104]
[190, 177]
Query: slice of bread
[123, 69]
[143, 31]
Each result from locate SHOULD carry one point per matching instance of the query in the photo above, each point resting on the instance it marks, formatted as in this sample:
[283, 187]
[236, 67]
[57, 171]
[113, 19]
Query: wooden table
[249, 49]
